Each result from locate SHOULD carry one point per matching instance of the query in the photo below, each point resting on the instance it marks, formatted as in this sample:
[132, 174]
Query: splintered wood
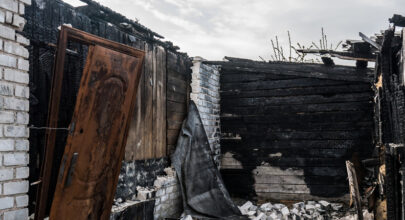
[354, 189]
[402, 67]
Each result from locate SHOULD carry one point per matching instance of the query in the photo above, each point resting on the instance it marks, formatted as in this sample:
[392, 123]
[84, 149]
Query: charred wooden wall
[162, 94]
[287, 129]
[389, 120]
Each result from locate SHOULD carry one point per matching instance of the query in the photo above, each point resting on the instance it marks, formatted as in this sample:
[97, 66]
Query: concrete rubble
[314, 210]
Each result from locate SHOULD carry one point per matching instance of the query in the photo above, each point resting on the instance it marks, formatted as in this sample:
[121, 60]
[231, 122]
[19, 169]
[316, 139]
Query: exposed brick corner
[14, 107]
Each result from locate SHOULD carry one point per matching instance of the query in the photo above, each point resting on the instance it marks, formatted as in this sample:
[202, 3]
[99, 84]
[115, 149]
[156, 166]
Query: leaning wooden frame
[71, 34]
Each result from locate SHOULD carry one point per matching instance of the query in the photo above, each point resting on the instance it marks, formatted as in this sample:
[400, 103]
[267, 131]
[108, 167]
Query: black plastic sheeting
[204, 193]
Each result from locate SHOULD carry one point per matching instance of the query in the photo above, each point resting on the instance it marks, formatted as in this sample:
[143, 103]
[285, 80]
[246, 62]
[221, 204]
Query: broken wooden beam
[368, 40]
[341, 54]
[305, 70]
[354, 189]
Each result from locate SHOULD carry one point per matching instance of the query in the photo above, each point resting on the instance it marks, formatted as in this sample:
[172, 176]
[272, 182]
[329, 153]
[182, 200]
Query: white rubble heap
[320, 210]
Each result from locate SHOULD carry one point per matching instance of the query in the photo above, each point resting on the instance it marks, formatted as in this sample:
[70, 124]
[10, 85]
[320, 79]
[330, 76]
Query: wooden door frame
[69, 34]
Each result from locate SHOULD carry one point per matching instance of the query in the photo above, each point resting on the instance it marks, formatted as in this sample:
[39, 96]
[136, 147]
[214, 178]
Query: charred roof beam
[114, 17]
[397, 20]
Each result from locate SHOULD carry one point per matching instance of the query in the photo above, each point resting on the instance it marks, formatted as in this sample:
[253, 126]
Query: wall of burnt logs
[287, 128]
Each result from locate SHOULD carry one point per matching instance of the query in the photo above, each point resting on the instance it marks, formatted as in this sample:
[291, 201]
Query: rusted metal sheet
[95, 145]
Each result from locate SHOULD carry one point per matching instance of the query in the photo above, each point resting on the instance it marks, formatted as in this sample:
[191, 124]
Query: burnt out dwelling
[101, 118]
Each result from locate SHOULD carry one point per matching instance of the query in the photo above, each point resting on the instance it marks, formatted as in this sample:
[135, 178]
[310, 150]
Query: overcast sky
[243, 28]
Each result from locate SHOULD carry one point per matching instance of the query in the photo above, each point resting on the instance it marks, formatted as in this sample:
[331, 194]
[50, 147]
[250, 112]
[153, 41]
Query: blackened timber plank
[159, 103]
[234, 76]
[280, 84]
[178, 75]
[173, 61]
[134, 149]
[340, 69]
[283, 179]
[296, 171]
[176, 97]
[238, 127]
[318, 90]
[273, 145]
[291, 100]
[283, 160]
[176, 116]
[338, 73]
[303, 151]
[174, 125]
[239, 111]
[316, 117]
[176, 107]
[173, 88]
[308, 135]
[298, 189]
[172, 136]
[181, 85]
[150, 72]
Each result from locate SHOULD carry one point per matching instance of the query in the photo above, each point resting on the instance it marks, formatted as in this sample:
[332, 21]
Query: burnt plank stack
[287, 128]
[178, 96]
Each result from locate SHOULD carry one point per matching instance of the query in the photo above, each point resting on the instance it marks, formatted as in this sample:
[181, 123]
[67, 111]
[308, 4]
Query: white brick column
[205, 93]
[14, 106]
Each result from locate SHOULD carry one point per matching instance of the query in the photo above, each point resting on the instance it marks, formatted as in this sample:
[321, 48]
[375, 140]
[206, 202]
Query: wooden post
[403, 57]
[354, 189]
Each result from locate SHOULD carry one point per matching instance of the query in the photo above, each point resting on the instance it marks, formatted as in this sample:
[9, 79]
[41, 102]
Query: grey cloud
[216, 28]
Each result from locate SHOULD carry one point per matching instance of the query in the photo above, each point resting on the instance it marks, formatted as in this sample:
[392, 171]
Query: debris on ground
[309, 210]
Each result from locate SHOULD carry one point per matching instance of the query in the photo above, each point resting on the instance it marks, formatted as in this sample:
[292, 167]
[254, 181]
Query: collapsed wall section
[14, 107]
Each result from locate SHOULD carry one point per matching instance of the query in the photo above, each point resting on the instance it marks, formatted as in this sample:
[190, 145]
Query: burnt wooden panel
[178, 89]
[134, 149]
[147, 138]
[159, 103]
[286, 129]
[148, 101]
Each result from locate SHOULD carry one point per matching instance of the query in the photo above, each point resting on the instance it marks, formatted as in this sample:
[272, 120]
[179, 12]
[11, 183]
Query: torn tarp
[204, 193]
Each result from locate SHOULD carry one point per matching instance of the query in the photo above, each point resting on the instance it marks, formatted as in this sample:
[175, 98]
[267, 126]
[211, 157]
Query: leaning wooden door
[94, 149]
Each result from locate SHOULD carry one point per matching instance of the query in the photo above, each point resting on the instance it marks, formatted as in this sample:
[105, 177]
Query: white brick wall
[14, 106]
[205, 87]
[165, 193]
[168, 200]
